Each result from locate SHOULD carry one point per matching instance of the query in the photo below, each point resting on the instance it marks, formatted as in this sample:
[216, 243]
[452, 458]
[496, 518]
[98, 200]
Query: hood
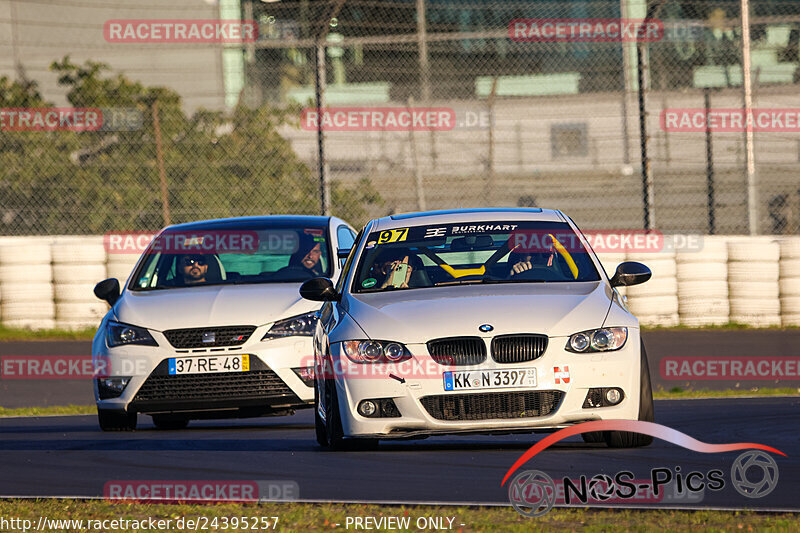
[215, 305]
[418, 315]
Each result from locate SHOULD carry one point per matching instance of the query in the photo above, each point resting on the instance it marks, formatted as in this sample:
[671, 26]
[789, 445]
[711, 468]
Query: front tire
[116, 420]
[333, 426]
[626, 439]
[319, 423]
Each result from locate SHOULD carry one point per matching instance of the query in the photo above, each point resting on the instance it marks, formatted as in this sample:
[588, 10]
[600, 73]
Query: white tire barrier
[15, 274]
[760, 270]
[27, 252]
[44, 309]
[790, 305]
[80, 310]
[78, 273]
[79, 250]
[789, 286]
[26, 292]
[704, 320]
[653, 305]
[692, 290]
[790, 248]
[76, 324]
[701, 271]
[789, 268]
[654, 287]
[30, 323]
[713, 251]
[760, 290]
[663, 320]
[790, 320]
[754, 250]
[74, 292]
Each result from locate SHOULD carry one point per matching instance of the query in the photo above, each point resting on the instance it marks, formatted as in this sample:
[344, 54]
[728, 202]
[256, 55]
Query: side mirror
[319, 290]
[108, 290]
[630, 273]
[342, 253]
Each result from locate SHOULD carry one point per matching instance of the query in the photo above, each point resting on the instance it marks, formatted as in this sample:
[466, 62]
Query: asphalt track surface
[70, 456]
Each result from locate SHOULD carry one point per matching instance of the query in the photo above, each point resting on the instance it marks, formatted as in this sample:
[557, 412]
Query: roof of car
[236, 222]
[483, 214]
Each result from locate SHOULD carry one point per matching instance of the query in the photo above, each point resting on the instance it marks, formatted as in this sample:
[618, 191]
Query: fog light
[367, 408]
[111, 387]
[603, 397]
[613, 396]
[306, 375]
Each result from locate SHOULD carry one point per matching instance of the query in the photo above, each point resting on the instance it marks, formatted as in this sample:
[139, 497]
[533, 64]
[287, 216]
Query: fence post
[647, 176]
[749, 154]
[162, 173]
[319, 87]
[712, 226]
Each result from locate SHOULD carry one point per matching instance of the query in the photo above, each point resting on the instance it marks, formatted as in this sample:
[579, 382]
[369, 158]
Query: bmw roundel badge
[486, 328]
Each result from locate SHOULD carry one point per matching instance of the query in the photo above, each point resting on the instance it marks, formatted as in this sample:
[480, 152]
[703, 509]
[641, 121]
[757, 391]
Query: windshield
[489, 252]
[266, 253]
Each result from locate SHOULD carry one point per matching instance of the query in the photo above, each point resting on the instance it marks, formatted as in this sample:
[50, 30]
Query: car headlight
[375, 351]
[597, 340]
[297, 325]
[122, 334]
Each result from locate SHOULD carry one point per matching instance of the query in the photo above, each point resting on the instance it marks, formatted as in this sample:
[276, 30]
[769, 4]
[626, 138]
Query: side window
[346, 237]
[349, 263]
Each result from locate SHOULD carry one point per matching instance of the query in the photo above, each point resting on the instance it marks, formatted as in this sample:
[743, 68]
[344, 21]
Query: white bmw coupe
[476, 321]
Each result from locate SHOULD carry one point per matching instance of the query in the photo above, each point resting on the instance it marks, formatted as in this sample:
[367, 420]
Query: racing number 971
[393, 235]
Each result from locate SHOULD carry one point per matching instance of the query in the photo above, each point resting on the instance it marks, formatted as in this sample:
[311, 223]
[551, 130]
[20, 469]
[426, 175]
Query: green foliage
[108, 180]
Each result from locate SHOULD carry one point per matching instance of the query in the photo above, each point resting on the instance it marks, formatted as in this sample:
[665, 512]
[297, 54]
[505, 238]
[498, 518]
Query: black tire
[319, 423]
[170, 422]
[333, 420]
[595, 437]
[626, 439]
[116, 420]
[333, 426]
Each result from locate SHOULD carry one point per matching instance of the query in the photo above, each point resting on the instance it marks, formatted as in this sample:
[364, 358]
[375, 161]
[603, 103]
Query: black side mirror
[108, 290]
[630, 273]
[342, 253]
[319, 290]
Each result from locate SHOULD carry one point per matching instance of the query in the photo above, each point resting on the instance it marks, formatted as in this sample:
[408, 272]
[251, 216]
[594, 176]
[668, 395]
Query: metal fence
[618, 130]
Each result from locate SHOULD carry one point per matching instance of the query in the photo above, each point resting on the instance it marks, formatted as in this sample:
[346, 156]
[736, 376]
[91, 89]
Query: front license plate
[489, 379]
[209, 365]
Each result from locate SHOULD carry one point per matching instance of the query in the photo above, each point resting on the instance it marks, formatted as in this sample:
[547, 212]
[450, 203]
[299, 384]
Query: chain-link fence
[426, 104]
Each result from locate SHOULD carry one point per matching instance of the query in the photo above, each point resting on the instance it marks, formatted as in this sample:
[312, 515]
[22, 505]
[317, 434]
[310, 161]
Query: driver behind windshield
[193, 268]
[393, 267]
[522, 262]
[308, 255]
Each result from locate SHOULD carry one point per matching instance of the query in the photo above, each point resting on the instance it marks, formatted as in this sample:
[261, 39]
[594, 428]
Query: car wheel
[116, 420]
[170, 422]
[626, 439]
[333, 426]
[319, 423]
[333, 421]
[594, 437]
